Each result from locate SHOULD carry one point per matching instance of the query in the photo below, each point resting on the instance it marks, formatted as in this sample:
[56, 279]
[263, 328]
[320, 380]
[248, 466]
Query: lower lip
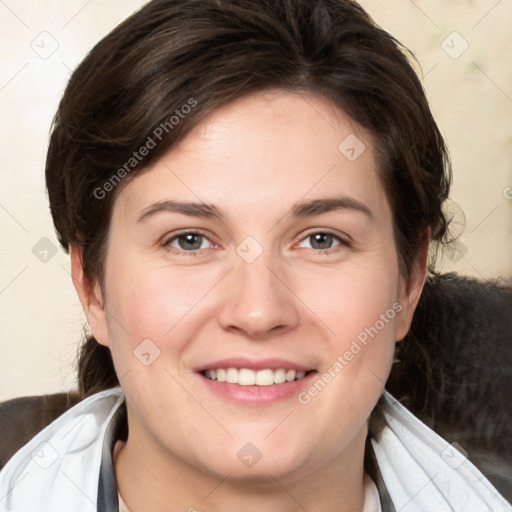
[257, 395]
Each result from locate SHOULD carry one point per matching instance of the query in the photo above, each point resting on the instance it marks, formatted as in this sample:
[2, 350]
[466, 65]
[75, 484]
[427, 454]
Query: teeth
[247, 377]
[265, 377]
[232, 376]
[290, 375]
[279, 376]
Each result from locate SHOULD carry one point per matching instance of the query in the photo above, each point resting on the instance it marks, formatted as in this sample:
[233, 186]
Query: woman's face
[260, 249]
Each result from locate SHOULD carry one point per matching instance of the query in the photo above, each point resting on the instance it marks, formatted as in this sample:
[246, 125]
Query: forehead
[266, 150]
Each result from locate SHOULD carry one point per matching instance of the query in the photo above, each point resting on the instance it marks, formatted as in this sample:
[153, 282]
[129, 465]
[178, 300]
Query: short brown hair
[215, 51]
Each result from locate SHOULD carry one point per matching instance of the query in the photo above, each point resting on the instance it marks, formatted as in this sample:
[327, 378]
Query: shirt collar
[107, 489]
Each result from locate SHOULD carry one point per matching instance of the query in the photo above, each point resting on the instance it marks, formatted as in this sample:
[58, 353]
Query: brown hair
[205, 53]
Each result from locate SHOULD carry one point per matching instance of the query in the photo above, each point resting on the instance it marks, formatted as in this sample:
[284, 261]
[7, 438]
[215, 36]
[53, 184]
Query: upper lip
[253, 364]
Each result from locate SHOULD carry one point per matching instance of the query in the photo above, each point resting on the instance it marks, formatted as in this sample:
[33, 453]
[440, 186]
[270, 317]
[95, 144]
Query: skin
[254, 159]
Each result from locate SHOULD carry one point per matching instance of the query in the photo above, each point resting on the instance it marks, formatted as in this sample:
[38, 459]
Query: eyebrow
[192, 209]
[329, 204]
[300, 209]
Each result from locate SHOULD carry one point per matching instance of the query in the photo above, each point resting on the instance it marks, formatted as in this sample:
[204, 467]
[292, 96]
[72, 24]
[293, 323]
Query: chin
[260, 461]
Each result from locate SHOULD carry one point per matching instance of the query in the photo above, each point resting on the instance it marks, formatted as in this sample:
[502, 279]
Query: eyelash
[168, 241]
[343, 243]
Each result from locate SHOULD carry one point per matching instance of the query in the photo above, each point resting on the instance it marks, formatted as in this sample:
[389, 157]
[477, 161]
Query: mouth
[248, 377]
[250, 382]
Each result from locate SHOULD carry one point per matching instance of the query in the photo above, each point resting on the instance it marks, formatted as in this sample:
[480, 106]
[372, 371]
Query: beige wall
[41, 320]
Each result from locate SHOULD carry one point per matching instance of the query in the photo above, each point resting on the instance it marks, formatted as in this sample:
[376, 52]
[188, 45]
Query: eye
[322, 241]
[188, 242]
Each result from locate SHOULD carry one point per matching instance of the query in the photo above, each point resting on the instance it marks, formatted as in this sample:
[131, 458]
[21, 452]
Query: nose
[257, 301]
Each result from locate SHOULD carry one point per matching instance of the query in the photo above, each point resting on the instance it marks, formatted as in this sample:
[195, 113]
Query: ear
[410, 290]
[89, 293]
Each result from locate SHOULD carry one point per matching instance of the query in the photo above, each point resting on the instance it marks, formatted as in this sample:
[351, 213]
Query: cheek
[150, 301]
[167, 306]
[351, 298]
[358, 308]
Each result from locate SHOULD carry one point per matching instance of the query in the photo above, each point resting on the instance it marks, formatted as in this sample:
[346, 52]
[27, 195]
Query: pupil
[190, 241]
[321, 241]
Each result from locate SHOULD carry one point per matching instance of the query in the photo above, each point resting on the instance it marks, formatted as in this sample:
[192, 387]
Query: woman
[248, 191]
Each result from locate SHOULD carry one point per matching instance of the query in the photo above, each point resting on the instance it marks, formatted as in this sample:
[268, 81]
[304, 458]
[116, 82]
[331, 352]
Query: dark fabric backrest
[22, 418]
[465, 326]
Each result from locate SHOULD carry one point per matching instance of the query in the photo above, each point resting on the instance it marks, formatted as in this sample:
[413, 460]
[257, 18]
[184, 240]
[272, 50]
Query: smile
[248, 377]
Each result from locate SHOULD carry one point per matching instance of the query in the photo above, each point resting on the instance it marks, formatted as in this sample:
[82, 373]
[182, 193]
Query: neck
[150, 478]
